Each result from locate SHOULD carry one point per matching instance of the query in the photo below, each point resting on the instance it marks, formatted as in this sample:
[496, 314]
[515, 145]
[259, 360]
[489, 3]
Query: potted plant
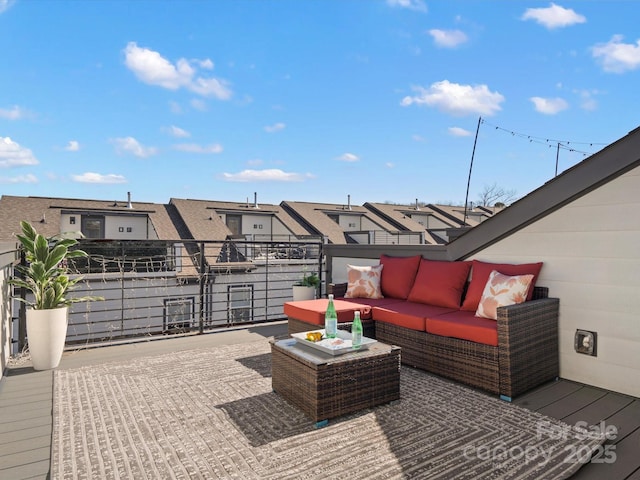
[46, 276]
[306, 288]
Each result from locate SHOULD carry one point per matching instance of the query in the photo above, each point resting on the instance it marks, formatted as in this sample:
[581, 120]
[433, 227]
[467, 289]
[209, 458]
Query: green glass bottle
[356, 330]
[331, 319]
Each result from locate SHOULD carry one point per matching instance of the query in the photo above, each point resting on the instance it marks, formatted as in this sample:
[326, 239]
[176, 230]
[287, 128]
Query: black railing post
[320, 254]
[202, 276]
[266, 291]
[22, 310]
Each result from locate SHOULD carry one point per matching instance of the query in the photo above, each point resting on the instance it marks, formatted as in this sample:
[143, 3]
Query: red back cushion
[440, 283]
[480, 274]
[398, 275]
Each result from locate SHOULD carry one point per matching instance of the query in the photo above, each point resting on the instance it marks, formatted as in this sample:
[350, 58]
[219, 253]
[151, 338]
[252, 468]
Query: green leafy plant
[46, 272]
[310, 281]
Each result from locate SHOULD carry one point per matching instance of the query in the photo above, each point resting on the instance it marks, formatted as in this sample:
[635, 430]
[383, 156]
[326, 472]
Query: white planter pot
[46, 334]
[301, 292]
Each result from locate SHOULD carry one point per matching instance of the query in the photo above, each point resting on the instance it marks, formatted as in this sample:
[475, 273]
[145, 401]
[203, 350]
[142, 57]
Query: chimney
[348, 202]
[255, 200]
[129, 205]
[417, 206]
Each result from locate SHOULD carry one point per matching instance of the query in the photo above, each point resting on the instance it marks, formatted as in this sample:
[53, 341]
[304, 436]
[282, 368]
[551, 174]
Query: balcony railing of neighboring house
[384, 237]
[155, 287]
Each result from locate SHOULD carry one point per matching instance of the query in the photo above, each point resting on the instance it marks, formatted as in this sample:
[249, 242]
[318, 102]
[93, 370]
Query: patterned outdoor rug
[212, 414]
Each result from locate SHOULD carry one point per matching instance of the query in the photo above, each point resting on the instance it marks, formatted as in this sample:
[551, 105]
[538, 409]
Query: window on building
[178, 313]
[92, 226]
[335, 218]
[240, 303]
[234, 223]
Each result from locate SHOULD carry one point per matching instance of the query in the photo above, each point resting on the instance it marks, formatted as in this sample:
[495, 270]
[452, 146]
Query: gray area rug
[212, 414]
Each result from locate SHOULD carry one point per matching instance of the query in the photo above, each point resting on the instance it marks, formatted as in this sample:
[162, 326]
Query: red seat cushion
[440, 283]
[480, 275]
[312, 311]
[407, 314]
[398, 274]
[464, 325]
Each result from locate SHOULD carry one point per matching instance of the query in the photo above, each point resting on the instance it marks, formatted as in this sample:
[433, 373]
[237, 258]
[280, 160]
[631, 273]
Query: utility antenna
[473, 154]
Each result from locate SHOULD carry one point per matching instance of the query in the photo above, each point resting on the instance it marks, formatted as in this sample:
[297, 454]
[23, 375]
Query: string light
[549, 142]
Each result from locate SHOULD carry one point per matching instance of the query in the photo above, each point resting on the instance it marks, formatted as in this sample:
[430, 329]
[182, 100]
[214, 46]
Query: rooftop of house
[45, 213]
[317, 218]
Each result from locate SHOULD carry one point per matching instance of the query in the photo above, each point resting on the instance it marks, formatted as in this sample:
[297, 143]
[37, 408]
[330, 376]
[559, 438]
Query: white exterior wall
[350, 223]
[133, 227]
[428, 221]
[256, 224]
[591, 254]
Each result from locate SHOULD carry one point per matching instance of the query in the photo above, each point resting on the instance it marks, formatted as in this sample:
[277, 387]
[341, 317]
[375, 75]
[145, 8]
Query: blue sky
[308, 100]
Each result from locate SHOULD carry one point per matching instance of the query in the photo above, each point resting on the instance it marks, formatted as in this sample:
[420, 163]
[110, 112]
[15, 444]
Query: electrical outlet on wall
[586, 342]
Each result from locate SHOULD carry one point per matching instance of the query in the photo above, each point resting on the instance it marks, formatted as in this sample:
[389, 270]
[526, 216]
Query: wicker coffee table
[325, 386]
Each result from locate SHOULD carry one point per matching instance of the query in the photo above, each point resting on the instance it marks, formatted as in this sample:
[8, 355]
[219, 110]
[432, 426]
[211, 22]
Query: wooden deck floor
[573, 402]
[26, 406]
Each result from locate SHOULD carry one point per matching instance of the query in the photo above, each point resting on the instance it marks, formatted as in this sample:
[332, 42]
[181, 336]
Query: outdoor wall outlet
[586, 342]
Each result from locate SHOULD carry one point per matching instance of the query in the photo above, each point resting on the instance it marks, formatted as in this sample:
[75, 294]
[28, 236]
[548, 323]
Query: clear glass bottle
[356, 330]
[331, 320]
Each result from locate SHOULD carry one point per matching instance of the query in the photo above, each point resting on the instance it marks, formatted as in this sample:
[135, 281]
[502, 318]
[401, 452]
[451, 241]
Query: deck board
[623, 465]
[601, 409]
[573, 402]
[547, 394]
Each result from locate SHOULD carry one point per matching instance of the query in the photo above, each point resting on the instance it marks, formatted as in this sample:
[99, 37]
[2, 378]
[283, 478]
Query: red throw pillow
[480, 275]
[440, 283]
[398, 275]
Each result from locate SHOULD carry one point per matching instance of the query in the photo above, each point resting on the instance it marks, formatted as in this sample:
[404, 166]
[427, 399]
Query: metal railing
[167, 287]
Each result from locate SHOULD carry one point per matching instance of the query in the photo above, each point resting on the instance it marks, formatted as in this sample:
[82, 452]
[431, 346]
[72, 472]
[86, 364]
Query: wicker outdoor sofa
[507, 356]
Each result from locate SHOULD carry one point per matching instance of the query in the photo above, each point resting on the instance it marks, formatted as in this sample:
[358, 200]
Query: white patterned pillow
[363, 282]
[500, 291]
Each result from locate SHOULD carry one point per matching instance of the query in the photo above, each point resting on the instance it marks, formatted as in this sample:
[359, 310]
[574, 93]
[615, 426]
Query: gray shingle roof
[45, 213]
[315, 217]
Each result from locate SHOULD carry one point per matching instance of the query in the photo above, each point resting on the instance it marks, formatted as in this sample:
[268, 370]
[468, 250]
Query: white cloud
[549, 106]
[72, 146]
[199, 104]
[456, 99]
[15, 113]
[459, 132]
[29, 178]
[175, 107]
[176, 132]
[587, 99]
[5, 5]
[152, 68]
[348, 157]
[448, 38]
[418, 138]
[14, 155]
[207, 64]
[553, 16]
[91, 177]
[131, 145]
[255, 162]
[195, 148]
[389, 164]
[276, 127]
[617, 57]
[416, 5]
[268, 175]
